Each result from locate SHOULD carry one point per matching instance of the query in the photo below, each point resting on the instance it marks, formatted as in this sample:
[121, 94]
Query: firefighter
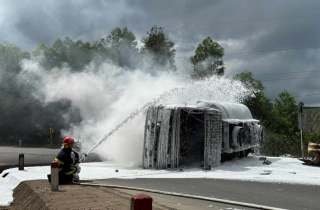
[67, 166]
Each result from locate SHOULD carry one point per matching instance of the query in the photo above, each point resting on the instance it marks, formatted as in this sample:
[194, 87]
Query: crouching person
[67, 166]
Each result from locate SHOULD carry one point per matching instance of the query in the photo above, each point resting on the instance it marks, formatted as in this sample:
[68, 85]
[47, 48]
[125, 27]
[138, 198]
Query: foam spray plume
[104, 93]
[213, 88]
[132, 115]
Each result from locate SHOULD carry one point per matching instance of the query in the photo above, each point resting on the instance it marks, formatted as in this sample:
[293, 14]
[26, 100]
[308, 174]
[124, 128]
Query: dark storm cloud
[239, 26]
[30, 23]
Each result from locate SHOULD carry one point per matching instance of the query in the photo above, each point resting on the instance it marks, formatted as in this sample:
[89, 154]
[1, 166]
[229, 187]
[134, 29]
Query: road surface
[9, 156]
[287, 196]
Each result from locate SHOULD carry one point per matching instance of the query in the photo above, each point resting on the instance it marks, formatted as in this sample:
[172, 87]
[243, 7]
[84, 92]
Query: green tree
[50, 57]
[279, 119]
[46, 56]
[99, 52]
[122, 48]
[60, 50]
[280, 144]
[259, 104]
[207, 60]
[285, 113]
[159, 48]
[10, 57]
[283, 136]
[312, 137]
[77, 54]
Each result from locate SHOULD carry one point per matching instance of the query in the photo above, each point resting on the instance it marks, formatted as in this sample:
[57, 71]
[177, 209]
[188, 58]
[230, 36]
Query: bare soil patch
[35, 195]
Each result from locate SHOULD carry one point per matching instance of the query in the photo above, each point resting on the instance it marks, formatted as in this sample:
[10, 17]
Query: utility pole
[302, 124]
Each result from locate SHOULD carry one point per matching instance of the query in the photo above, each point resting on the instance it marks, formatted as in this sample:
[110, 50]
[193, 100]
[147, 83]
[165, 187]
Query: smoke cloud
[106, 94]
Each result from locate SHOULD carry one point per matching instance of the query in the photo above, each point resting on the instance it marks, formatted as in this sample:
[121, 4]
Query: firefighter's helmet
[68, 140]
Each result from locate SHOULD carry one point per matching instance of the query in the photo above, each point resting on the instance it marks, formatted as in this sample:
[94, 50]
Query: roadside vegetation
[279, 119]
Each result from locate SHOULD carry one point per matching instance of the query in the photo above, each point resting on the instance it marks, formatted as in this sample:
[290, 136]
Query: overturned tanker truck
[203, 135]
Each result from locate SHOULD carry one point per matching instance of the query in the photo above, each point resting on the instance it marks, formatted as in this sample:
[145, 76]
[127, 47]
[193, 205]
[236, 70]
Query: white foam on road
[282, 170]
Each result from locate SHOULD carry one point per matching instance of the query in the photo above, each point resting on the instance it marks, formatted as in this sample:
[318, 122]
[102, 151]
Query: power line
[290, 79]
[231, 22]
[240, 21]
[316, 94]
[264, 51]
[273, 50]
[287, 73]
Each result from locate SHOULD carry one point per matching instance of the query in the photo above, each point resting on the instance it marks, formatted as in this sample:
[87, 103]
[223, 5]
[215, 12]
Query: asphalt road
[9, 156]
[296, 197]
[180, 203]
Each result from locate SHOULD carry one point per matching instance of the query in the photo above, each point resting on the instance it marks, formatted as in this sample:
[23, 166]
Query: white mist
[107, 94]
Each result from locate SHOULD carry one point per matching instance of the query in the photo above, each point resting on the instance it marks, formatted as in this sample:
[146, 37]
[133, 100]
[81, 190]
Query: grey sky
[247, 26]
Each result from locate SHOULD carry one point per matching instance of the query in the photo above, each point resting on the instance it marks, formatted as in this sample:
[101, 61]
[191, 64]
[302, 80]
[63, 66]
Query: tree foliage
[283, 136]
[10, 57]
[259, 104]
[279, 119]
[76, 54]
[281, 144]
[46, 56]
[207, 60]
[285, 113]
[122, 47]
[119, 47]
[159, 48]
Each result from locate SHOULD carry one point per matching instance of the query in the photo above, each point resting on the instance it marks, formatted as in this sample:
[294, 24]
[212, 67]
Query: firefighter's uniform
[66, 166]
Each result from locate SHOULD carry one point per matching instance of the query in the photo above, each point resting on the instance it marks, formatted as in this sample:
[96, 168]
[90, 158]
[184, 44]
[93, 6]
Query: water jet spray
[209, 89]
[132, 115]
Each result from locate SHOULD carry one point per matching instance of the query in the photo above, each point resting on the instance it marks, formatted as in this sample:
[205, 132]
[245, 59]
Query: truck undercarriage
[198, 135]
